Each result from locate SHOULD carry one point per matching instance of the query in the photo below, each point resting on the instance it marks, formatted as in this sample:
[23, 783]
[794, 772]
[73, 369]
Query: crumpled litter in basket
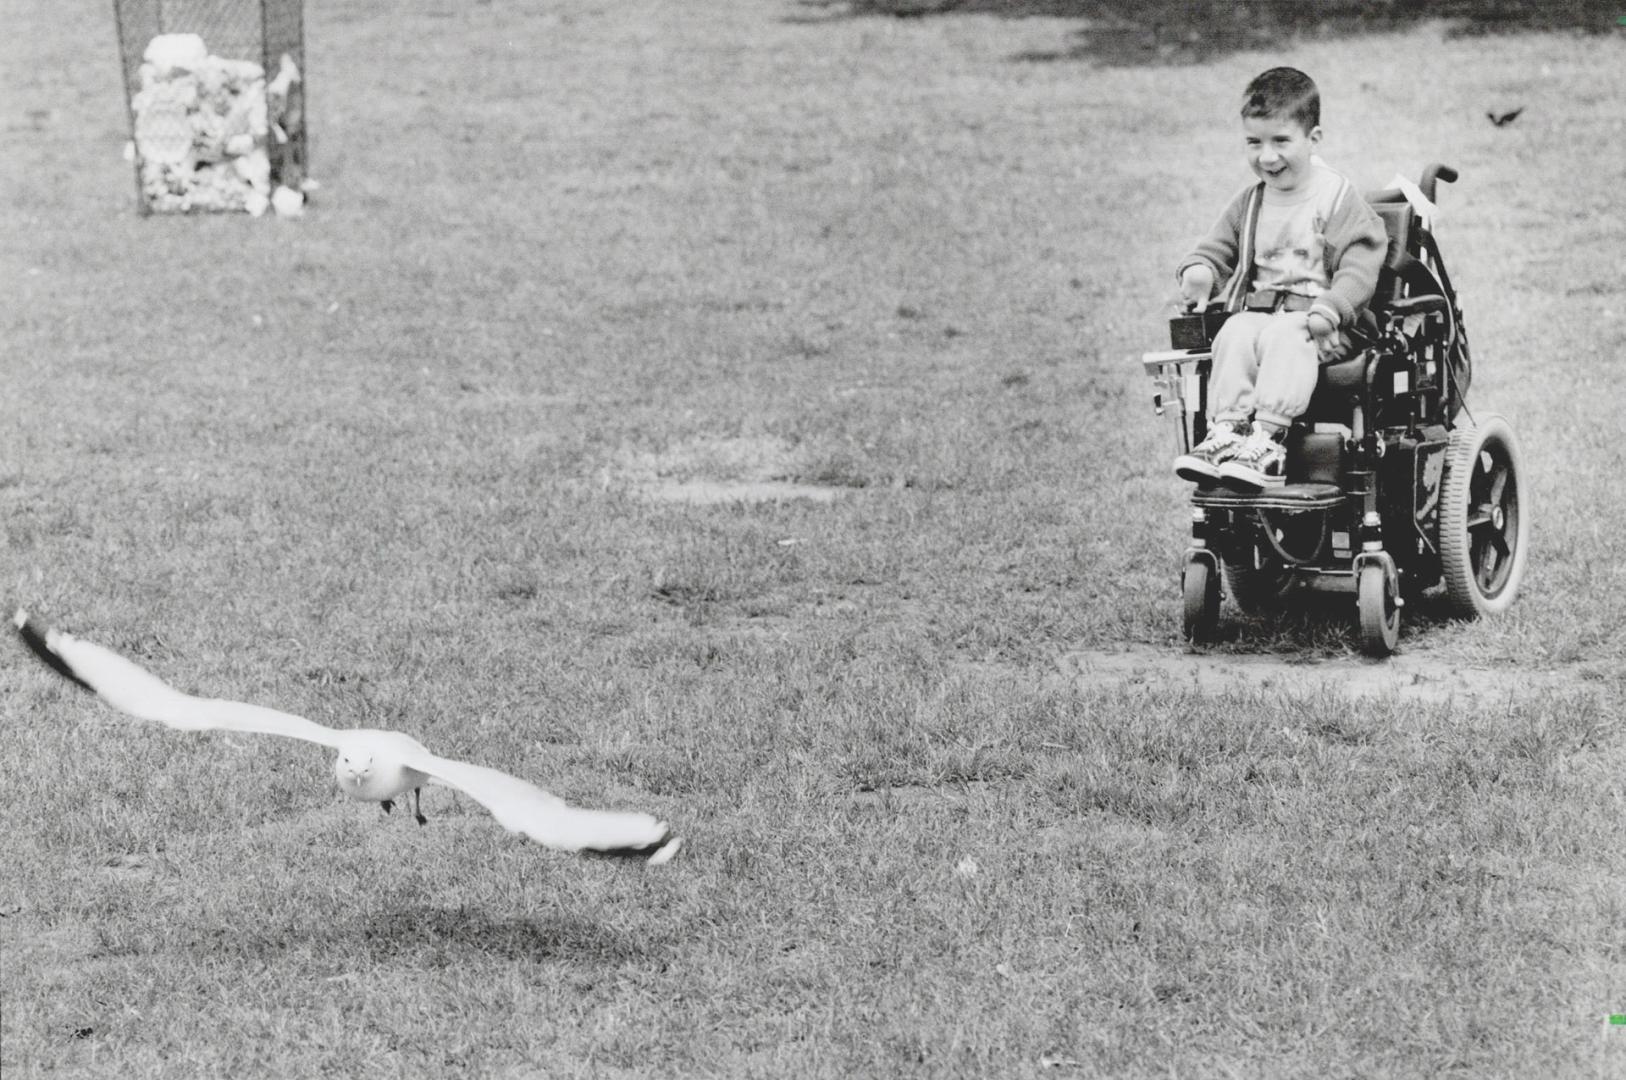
[201, 125]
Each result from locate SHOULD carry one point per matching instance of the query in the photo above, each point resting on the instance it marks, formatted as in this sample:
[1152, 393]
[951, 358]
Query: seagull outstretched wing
[517, 805]
[132, 689]
[522, 807]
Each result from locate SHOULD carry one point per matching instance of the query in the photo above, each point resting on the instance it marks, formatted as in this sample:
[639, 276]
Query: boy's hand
[1328, 341]
[1196, 283]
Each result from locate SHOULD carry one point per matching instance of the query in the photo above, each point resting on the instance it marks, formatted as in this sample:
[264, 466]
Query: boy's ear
[1314, 135]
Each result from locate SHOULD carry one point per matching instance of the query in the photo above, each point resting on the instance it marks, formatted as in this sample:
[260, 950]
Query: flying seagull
[372, 766]
[1504, 119]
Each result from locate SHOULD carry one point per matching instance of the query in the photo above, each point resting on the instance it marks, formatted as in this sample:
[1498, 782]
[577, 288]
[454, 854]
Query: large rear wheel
[1484, 519]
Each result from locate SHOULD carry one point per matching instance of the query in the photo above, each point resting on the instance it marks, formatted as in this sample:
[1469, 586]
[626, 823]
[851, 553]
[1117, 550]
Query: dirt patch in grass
[1419, 677]
[709, 470]
[726, 491]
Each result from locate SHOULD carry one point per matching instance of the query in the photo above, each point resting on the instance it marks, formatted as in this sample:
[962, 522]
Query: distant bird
[1504, 119]
[372, 766]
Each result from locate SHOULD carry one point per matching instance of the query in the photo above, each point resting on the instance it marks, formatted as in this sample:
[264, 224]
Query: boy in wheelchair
[1334, 450]
[1299, 254]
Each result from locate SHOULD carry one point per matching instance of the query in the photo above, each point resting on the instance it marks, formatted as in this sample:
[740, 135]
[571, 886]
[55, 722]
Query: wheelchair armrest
[1412, 305]
[1347, 374]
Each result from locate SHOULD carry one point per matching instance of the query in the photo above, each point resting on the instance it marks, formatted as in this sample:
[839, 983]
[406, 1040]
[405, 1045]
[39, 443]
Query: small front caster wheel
[1379, 611]
[1200, 584]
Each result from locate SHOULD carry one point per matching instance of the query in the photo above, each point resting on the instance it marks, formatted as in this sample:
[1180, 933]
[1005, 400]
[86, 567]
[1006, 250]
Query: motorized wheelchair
[1392, 488]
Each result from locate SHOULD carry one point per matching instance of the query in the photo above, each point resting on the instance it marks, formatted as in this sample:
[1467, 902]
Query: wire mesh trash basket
[216, 90]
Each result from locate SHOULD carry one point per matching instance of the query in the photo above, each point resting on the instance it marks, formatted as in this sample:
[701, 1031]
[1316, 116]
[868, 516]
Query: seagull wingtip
[43, 644]
[666, 851]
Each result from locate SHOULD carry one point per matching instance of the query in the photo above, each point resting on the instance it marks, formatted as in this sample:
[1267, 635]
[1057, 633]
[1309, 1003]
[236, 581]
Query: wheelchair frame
[1391, 486]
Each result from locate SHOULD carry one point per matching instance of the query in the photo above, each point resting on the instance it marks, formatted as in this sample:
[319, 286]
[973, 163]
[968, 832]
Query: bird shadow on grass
[416, 931]
[437, 936]
[1172, 32]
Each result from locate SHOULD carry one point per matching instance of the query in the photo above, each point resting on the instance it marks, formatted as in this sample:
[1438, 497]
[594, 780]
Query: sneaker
[1260, 462]
[1201, 465]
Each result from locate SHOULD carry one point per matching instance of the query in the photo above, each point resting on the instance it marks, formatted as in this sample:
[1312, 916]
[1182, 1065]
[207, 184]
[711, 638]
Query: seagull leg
[417, 806]
[388, 805]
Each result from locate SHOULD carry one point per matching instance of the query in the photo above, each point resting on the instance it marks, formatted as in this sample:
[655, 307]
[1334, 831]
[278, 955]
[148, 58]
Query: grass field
[726, 411]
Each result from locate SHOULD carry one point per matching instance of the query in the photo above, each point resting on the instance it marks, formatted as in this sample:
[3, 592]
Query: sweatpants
[1265, 368]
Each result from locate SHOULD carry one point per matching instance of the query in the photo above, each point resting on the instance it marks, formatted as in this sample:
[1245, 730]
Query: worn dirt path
[1416, 676]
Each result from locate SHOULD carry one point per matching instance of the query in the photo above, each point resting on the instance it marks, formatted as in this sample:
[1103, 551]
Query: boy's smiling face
[1279, 150]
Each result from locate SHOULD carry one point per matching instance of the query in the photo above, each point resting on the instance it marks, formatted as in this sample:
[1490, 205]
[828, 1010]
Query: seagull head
[353, 767]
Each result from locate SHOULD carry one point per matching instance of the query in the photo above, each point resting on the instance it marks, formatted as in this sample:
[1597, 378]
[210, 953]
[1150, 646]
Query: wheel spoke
[1491, 554]
[1481, 516]
[1498, 488]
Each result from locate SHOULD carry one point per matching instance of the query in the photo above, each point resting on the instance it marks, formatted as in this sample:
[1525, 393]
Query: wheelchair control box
[1196, 330]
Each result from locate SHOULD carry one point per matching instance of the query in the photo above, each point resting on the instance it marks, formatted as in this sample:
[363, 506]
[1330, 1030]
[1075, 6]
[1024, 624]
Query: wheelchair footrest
[1288, 497]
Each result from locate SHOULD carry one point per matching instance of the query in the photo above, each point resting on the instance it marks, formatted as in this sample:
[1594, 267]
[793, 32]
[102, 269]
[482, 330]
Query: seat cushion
[1289, 497]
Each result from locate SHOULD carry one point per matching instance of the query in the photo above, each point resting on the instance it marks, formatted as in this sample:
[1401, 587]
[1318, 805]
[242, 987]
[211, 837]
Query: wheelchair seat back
[1399, 221]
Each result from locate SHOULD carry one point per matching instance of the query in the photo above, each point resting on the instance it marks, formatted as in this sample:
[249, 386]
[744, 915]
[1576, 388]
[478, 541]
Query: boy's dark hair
[1283, 91]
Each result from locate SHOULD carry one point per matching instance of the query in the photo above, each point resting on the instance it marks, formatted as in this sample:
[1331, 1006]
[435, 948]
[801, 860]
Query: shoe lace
[1258, 448]
[1222, 436]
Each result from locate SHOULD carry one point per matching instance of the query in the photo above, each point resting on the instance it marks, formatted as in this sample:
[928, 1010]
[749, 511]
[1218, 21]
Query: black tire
[1484, 519]
[1257, 590]
[1375, 601]
[1200, 586]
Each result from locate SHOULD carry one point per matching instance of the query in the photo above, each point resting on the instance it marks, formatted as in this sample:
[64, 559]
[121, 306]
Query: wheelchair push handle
[1435, 172]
